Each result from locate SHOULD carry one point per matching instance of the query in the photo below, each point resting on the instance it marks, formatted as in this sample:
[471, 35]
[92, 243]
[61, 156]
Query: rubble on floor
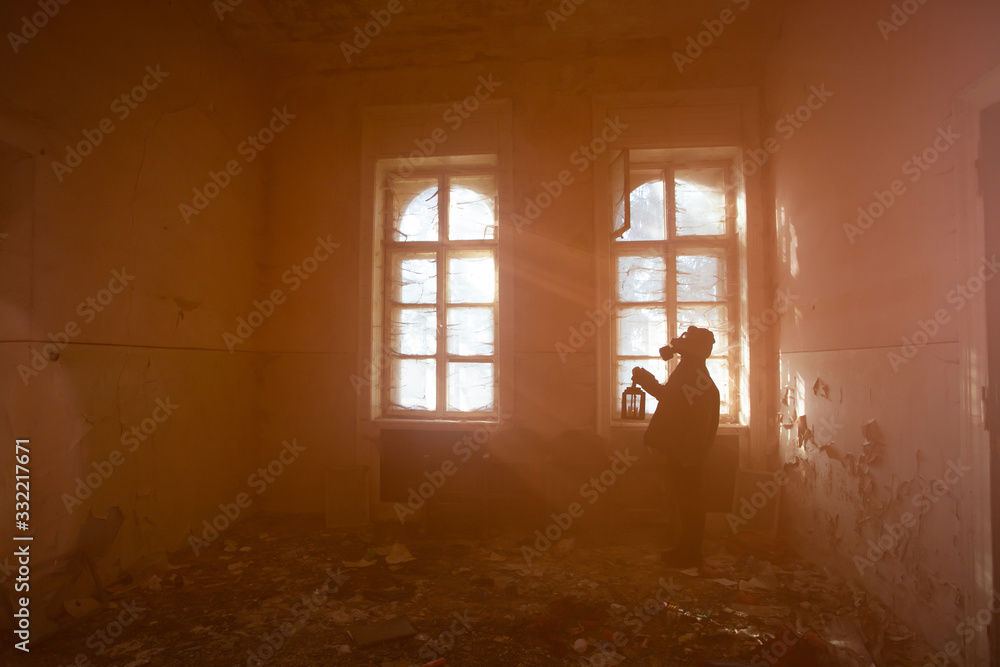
[288, 592]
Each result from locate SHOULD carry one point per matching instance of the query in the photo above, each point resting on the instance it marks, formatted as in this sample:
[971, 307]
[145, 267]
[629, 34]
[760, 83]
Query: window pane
[647, 210]
[470, 387]
[699, 278]
[470, 331]
[641, 331]
[414, 331]
[414, 208]
[700, 196]
[472, 211]
[657, 367]
[706, 317]
[471, 277]
[414, 384]
[642, 279]
[415, 279]
[719, 370]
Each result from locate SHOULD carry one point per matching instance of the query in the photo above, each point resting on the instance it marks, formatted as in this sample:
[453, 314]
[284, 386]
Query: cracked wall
[879, 431]
[145, 372]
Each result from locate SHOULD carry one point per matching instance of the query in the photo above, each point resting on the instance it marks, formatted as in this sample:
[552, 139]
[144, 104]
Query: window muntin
[441, 296]
[674, 267]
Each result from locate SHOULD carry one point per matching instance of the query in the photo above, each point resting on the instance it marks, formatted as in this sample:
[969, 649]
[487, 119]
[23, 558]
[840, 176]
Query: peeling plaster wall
[855, 301]
[159, 338]
[317, 180]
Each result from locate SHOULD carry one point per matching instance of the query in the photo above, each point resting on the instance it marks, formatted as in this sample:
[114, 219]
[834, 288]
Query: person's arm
[648, 382]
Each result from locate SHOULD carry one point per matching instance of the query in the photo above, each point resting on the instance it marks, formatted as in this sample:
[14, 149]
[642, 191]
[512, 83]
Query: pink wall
[891, 94]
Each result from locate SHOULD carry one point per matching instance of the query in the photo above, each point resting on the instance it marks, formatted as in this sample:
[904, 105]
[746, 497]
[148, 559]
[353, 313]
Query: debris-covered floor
[289, 592]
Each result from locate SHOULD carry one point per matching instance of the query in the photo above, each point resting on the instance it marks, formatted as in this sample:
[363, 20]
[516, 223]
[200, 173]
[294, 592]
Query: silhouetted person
[683, 429]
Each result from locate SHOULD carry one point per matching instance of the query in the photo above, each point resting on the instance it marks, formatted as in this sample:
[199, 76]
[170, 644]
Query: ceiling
[312, 33]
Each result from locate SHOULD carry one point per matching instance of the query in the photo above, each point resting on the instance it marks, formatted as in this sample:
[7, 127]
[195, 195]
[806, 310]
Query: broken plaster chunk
[821, 389]
[82, 607]
[870, 431]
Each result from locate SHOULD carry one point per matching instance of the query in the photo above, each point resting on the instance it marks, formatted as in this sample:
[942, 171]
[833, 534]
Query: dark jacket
[687, 415]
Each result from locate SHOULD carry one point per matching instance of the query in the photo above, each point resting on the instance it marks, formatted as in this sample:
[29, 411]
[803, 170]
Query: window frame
[443, 249]
[721, 122]
[669, 248]
[388, 139]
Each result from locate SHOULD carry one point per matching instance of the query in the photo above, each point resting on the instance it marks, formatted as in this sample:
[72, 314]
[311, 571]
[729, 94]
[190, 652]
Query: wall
[863, 286]
[155, 333]
[317, 180]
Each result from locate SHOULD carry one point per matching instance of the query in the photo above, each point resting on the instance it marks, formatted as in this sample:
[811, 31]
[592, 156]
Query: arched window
[441, 297]
[674, 266]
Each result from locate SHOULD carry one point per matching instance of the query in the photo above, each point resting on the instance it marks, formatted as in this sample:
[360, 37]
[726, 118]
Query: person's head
[694, 343]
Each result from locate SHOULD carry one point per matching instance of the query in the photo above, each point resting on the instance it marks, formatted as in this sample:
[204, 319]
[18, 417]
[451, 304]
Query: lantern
[634, 403]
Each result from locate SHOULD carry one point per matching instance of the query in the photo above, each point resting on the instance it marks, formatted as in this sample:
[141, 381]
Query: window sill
[433, 424]
[724, 429]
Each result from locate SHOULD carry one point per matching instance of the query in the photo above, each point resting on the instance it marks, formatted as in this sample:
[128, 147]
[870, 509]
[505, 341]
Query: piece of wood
[378, 633]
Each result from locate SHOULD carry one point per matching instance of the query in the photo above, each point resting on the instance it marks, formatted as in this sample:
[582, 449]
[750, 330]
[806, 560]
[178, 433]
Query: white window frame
[389, 137]
[724, 245]
[441, 248]
[720, 123]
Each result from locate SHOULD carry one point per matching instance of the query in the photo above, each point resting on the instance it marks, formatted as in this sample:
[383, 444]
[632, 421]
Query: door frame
[977, 538]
